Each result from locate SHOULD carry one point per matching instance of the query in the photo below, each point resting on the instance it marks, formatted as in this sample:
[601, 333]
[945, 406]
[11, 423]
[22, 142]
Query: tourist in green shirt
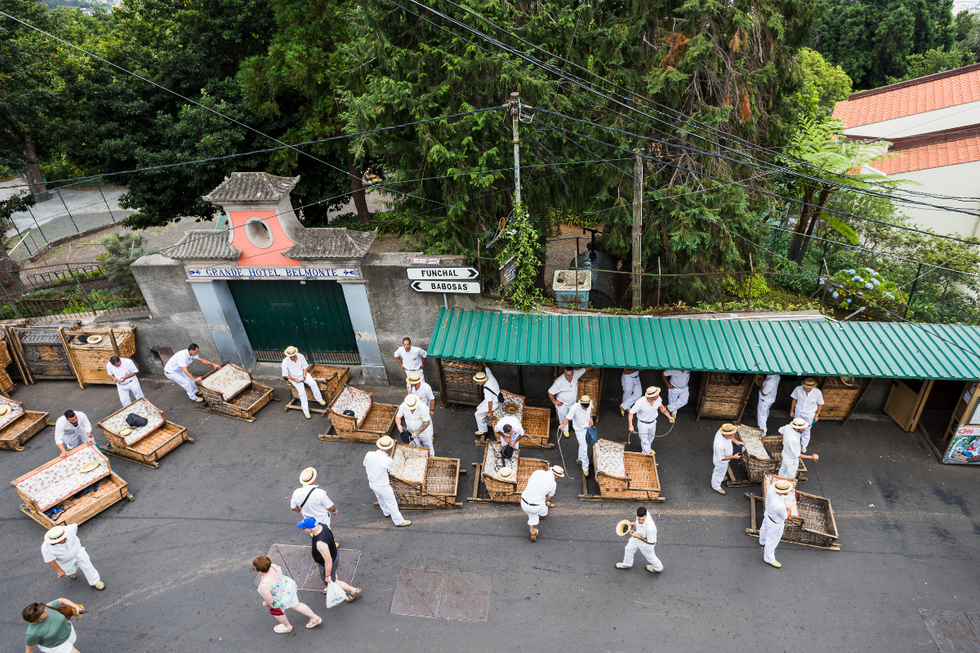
[49, 631]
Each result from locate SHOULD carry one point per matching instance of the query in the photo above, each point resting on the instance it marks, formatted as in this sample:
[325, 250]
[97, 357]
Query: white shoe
[306, 415]
[653, 570]
[719, 491]
[407, 522]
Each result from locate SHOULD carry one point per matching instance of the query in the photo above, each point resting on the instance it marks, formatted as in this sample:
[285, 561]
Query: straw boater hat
[729, 429]
[782, 487]
[93, 340]
[55, 535]
[308, 476]
[798, 423]
[90, 466]
[411, 401]
[849, 381]
[480, 377]
[586, 399]
[127, 430]
[652, 391]
[558, 471]
[505, 472]
[4, 409]
[414, 377]
[809, 382]
[291, 351]
[623, 527]
[511, 409]
[385, 442]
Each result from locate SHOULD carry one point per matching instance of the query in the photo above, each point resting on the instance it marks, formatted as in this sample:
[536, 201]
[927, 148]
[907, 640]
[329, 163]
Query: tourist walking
[278, 592]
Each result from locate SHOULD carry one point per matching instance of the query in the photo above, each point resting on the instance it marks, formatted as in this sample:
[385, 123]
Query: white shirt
[63, 554]
[411, 359]
[647, 530]
[414, 417]
[317, 506]
[423, 392]
[295, 369]
[515, 424]
[181, 359]
[580, 416]
[377, 463]
[540, 485]
[678, 378]
[564, 390]
[792, 445]
[490, 389]
[807, 402]
[72, 436]
[769, 386]
[775, 507]
[644, 411]
[126, 366]
[723, 447]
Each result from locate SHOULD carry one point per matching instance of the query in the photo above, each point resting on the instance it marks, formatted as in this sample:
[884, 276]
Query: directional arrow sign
[457, 287]
[443, 274]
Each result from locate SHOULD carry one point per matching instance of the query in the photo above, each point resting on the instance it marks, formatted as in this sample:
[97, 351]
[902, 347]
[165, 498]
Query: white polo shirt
[515, 424]
[377, 463]
[423, 392]
[723, 447]
[72, 436]
[181, 359]
[540, 485]
[295, 369]
[411, 359]
[564, 390]
[644, 411]
[807, 402]
[63, 554]
[126, 366]
[792, 445]
[415, 417]
[317, 505]
[678, 378]
[647, 530]
[579, 416]
[769, 386]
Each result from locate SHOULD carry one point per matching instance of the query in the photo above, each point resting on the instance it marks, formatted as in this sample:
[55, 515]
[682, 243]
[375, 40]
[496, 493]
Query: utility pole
[637, 228]
[515, 112]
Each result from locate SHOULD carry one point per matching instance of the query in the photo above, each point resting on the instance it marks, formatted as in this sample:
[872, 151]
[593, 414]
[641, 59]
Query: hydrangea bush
[850, 289]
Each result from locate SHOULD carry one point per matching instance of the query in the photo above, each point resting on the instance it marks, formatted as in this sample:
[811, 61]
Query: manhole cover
[953, 632]
[297, 563]
[441, 594]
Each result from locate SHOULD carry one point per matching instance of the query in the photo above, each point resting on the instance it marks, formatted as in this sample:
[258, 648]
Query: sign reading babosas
[272, 273]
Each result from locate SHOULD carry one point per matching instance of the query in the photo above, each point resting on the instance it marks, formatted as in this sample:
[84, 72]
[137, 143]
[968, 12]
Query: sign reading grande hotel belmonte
[272, 273]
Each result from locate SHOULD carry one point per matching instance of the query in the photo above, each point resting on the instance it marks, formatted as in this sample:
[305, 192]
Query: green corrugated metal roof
[862, 349]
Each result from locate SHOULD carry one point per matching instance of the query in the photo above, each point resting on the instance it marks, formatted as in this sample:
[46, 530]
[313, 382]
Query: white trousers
[647, 433]
[762, 412]
[425, 440]
[769, 536]
[718, 475]
[309, 382]
[534, 513]
[647, 550]
[631, 392]
[387, 502]
[66, 646]
[482, 417]
[82, 563]
[790, 467]
[131, 385]
[583, 449]
[184, 382]
[677, 398]
[563, 412]
[805, 436]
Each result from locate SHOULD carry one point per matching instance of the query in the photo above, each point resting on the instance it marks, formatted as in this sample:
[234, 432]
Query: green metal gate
[311, 316]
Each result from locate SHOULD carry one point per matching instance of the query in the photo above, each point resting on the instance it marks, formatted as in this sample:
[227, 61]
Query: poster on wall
[965, 447]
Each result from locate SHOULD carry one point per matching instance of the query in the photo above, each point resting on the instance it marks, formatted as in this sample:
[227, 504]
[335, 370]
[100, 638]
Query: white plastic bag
[335, 595]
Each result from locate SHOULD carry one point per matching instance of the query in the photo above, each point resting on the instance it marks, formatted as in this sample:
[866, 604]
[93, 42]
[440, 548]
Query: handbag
[335, 595]
[507, 452]
[405, 436]
[136, 421]
[591, 435]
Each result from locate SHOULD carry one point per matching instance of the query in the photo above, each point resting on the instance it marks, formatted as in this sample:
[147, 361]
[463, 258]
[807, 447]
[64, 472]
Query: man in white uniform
[541, 486]
[677, 390]
[643, 538]
[489, 390]
[631, 390]
[807, 404]
[511, 431]
[176, 370]
[295, 370]
[723, 451]
[416, 386]
[411, 359]
[645, 410]
[311, 500]
[774, 521]
[416, 421]
[377, 464]
[581, 418]
[564, 391]
[767, 396]
[792, 446]
[71, 430]
[124, 371]
[64, 552]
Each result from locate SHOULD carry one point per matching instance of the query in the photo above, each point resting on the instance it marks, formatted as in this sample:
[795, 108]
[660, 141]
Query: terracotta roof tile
[935, 155]
[907, 100]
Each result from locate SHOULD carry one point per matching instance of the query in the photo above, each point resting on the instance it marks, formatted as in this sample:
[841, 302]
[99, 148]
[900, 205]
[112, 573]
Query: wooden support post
[71, 360]
[637, 229]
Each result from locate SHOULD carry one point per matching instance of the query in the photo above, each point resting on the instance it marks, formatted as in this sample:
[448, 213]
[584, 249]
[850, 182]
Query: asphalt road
[177, 559]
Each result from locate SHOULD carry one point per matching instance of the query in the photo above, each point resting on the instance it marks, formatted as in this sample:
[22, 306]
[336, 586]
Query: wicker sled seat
[19, 424]
[61, 485]
[146, 444]
[811, 518]
[423, 481]
[330, 381]
[763, 455]
[625, 475]
[365, 421]
[231, 392]
[536, 421]
[90, 358]
[507, 490]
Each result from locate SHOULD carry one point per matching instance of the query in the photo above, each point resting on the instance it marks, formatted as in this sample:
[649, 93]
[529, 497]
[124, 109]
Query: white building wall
[960, 115]
[961, 180]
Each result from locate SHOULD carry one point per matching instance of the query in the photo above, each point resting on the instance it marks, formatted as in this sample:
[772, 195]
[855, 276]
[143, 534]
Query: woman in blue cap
[324, 550]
